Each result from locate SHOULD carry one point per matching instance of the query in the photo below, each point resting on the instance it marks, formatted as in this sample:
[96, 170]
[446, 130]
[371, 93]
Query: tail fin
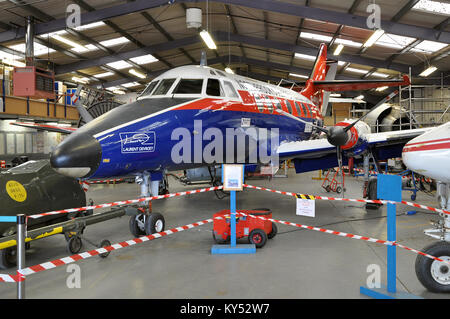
[322, 71]
[322, 81]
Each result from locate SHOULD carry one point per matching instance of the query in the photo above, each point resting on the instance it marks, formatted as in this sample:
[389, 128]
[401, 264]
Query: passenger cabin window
[288, 105]
[229, 90]
[149, 88]
[297, 107]
[163, 87]
[213, 88]
[189, 86]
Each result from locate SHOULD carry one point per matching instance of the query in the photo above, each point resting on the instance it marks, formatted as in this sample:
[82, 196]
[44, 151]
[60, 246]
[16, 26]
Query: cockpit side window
[149, 88]
[214, 88]
[163, 87]
[229, 90]
[189, 86]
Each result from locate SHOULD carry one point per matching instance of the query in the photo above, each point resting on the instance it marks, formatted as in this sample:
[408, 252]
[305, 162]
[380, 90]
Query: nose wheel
[147, 224]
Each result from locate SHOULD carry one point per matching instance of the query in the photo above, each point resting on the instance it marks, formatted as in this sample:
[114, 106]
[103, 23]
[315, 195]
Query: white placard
[245, 122]
[306, 207]
[233, 176]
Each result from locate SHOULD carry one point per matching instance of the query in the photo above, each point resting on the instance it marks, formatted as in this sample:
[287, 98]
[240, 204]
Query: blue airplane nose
[77, 156]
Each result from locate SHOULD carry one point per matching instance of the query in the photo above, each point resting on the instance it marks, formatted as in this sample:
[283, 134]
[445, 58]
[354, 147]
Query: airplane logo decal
[137, 142]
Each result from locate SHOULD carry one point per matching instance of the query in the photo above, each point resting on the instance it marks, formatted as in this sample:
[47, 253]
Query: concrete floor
[295, 264]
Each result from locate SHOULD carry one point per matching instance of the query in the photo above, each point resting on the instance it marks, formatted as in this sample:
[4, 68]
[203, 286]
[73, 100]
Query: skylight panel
[429, 46]
[119, 65]
[113, 42]
[11, 59]
[433, 6]
[39, 49]
[144, 59]
[394, 41]
[315, 36]
[305, 56]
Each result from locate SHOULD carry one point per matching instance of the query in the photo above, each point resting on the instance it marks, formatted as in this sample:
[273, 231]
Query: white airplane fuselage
[429, 153]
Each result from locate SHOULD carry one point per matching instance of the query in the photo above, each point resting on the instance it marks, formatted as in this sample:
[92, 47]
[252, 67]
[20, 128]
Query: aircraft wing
[45, 127]
[320, 154]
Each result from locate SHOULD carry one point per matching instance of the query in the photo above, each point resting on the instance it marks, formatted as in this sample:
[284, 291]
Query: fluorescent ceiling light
[138, 74]
[103, 75]
[341, 62]
[119, 65]
[144, 59]
[39, 49]
[433, 6]
[305, 56]
[394, 41]
[382, 88]
[299, 75]
[338, 49]
[11, 59]
[359, 97]
[90, 26]
[121, 92]
[356, 70]
[113, 42]
[112, 88]
[349, 43]
[131, 84]
[208, 40]
[428, 71]
[315, 36]
[335, 95]
[75, 46]
[373, 38]
[228, 70]
[429, 46]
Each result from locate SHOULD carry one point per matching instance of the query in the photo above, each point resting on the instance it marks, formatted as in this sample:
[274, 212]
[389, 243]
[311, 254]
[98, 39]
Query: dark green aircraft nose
[78, 155]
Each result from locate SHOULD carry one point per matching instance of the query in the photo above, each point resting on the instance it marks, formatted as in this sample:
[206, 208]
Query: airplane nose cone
[77, 156]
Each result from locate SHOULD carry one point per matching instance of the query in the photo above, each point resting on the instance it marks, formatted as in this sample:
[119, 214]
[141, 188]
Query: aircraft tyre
[372, 194]
[432, 274]
[154, 223]
[8, 257]
[136, 224]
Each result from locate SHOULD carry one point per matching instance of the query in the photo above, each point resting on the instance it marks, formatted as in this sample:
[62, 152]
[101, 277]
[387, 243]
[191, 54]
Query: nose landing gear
[146, 222]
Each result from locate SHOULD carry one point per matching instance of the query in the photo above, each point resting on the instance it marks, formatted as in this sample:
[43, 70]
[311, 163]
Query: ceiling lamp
[428, 71]
[338, 49]
[373, 38]
[208, 40]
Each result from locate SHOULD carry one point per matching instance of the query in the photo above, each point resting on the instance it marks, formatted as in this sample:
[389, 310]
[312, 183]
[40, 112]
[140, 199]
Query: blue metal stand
[233, 248]
[389, 187]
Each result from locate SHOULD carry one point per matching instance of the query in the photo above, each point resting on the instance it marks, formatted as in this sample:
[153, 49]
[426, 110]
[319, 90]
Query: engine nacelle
[357, 138]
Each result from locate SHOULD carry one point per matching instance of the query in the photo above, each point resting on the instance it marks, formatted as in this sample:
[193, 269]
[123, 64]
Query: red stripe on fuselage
[431, 147]
[427, 142]
[249, 105]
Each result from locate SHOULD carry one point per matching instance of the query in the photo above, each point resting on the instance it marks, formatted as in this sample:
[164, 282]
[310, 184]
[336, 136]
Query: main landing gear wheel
[434, 275]
[154, 223]
[136, 224]
[257, 237]
[74, 245]
[8, 257]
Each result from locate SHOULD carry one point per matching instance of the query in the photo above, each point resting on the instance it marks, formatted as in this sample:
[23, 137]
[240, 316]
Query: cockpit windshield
[189, 86]
[163, 87]
[149, 88]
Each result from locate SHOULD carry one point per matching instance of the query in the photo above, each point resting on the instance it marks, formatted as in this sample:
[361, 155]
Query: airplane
[195, 105]
[428, 155]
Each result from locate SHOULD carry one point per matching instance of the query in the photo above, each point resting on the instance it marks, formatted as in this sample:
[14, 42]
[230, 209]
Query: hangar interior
[106, 53]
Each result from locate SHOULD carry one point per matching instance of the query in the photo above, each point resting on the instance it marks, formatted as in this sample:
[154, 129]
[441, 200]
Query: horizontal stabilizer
[357, 85]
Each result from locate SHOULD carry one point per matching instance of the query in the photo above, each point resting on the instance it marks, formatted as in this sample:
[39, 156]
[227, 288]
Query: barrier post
[20, 254]
[389, 187]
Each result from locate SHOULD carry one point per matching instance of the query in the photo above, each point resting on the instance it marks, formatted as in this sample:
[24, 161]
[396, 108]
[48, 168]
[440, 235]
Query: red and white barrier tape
[428, 180]
[348, 235]
[95, 252]
[125, 202]
[374, 201]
